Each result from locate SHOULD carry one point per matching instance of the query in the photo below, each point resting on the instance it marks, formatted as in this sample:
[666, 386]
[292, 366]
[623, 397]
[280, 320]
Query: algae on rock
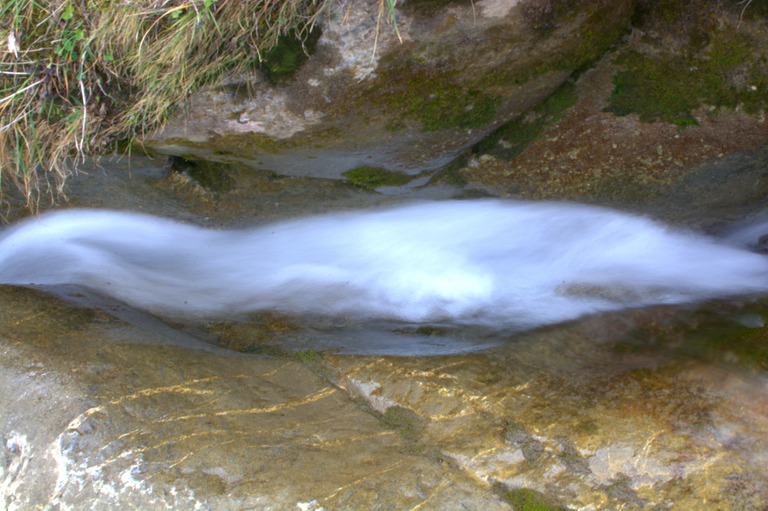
[361, 100]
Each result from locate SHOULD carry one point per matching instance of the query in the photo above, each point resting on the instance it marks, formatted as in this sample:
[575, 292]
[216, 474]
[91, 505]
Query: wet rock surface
[409, 99]
[593, 415]
[107, 407]
[101, 414]
[641, 409]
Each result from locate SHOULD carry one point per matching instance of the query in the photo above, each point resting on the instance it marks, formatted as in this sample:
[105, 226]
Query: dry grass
[77, 76]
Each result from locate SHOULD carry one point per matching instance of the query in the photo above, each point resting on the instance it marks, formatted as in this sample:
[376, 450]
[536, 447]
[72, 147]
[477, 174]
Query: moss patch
[736, 336]
[727, 73]
[248, 143]
[524, 499]
[405, 421]
[455, 108]
[431, 94]
[370, 178]
[291, 51]
[211, 175]
[310, 357]
[602, 28]
[514, 137]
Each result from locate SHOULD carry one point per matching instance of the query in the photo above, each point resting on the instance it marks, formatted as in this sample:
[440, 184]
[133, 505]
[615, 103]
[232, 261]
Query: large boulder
[101, 414]
[407, 100]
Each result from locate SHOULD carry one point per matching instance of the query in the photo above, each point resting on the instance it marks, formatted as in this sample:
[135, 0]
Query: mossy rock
[525, 499]
[211, 175]
[721, 68]
[414, 105]
[514, 137]
[291, 51]
[405, 421]
[370, 178]
[716, 333]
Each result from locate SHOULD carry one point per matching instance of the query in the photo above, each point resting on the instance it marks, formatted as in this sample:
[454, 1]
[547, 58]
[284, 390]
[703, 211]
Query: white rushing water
[499, 264]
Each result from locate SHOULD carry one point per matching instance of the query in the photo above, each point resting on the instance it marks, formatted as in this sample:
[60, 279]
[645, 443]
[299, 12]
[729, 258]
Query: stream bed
[108, 401]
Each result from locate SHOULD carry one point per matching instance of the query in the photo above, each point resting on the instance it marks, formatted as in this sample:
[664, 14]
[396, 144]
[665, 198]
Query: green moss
[310, 357]
[405, 421]
[213, 176]
[290, 52]
[669, 87]
[451, 174]
[370, 178]
[595, 40]
[440, 97]
[239, 144]
[601, 30]
[709, 335]
[654, 89]
[748, 346]
[524, 499]
[514, 137]
[430, 94]
[454, 107]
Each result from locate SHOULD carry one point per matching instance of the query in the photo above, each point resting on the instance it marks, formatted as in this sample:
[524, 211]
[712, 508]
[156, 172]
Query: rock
[364, 98]
[101, 414]
[595, 142]
[660, 408]
[600, 414]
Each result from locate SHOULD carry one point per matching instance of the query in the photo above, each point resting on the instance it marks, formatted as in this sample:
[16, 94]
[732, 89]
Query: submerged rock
[101, 414]
[625, 411]
[640, 409]
[366, 98]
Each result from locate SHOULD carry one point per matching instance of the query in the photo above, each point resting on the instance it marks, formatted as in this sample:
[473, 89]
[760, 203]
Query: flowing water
[644, 408]
[498, 265]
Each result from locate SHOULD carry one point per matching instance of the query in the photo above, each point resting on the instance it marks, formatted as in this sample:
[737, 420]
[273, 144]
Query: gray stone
[410, 104]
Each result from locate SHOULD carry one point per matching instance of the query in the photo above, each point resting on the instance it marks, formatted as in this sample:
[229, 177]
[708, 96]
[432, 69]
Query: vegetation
[288, 55]
[733, 336]
[405, 421]
[717, 67]
[432, 94]
[78, 76]
[524, 499]
[514, 137]
[310, 357]
[370, 178]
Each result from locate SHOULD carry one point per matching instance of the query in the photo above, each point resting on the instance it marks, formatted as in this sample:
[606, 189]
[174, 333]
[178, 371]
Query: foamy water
[500, 264]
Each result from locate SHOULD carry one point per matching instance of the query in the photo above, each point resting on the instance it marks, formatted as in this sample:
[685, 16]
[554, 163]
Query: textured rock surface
[635, 410]
[652, 409]
[100, 414]
[594, 415]
[366, 99]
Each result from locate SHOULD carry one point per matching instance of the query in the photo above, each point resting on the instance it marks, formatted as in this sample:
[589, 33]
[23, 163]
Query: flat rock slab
[631, 410]
[97, 414]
